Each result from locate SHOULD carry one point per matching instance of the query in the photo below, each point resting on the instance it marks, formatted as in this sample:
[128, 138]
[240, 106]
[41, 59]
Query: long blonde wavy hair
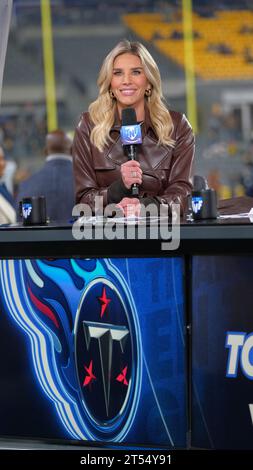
[102, 110]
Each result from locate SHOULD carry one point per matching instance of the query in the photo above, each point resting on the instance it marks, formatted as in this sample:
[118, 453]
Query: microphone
[199, 183]
[130, 133]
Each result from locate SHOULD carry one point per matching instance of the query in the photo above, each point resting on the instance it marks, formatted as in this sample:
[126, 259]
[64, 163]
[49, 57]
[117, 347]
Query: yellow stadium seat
[222, 29]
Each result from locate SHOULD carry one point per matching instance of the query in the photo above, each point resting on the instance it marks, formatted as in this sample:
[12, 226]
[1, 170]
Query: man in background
[55, 179]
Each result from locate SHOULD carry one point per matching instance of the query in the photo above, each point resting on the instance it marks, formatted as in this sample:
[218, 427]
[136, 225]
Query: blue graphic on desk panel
[222, 361]
[107, 345]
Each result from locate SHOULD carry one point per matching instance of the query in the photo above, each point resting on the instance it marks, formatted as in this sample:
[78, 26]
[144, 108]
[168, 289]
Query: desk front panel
[222, 351]
[93, 349]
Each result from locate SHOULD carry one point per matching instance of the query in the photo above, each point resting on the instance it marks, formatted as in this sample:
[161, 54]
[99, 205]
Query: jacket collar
[150, 159]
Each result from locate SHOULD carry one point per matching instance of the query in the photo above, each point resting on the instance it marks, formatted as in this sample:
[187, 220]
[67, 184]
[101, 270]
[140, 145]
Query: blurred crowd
[79, 12]
[229, 153]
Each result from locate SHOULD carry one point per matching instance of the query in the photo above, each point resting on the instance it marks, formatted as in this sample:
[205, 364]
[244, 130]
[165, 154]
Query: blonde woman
[129, 77]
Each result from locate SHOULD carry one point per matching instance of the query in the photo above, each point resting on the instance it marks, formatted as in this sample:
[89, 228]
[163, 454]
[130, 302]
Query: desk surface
[218, 236]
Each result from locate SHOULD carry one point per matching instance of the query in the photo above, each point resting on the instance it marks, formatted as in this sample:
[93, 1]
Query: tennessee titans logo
[197, 203]
[85, 340]
[104, 354]
[26, 210]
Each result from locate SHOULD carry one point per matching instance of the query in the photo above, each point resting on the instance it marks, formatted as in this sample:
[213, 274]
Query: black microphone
[199, 183]
[131, 137]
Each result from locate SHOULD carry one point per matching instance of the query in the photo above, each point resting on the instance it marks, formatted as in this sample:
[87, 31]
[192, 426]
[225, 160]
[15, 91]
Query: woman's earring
[148, 92]
[112, 96]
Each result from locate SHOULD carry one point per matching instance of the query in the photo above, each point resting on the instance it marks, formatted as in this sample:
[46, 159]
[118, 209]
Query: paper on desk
[234, 216]
[120, 220]
[132, 219]
[240, 215]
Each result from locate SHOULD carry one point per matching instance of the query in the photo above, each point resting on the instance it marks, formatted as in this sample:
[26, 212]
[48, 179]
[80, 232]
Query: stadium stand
[223, 43]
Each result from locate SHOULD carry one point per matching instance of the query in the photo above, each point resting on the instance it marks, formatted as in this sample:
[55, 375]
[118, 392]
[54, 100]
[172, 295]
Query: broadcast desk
[219, 236]
[178, 324]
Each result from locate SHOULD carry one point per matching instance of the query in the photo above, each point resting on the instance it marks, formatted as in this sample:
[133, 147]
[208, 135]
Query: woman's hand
[131, 173]
[130, 206]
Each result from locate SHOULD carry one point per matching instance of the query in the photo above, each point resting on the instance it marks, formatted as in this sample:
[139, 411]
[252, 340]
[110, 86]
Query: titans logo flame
[85, 340]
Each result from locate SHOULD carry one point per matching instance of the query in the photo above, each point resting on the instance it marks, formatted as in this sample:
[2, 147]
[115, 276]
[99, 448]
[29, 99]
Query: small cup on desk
[204, 204]
[33, 210]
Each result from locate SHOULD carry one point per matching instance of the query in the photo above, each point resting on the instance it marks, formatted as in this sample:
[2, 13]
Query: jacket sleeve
[85, 177]
[86, 186]
[180, 171]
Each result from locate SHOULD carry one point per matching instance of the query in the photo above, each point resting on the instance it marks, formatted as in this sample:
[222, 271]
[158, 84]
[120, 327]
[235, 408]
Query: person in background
[129, 77]
[55, 179]
[7, 203]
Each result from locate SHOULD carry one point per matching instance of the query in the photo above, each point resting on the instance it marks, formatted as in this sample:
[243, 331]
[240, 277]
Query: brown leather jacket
[166, 170]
